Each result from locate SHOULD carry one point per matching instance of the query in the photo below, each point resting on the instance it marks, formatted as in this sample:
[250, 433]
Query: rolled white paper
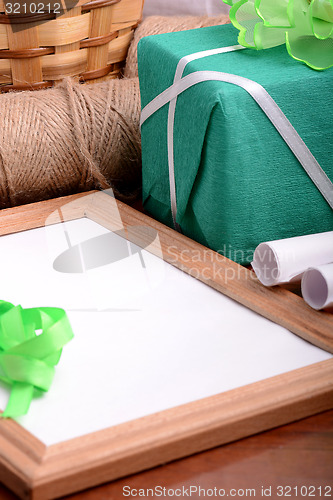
[282, 261]
[317, 286]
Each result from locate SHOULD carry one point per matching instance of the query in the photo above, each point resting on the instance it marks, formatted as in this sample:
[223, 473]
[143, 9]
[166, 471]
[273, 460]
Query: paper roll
[282, 261]
[317, 287]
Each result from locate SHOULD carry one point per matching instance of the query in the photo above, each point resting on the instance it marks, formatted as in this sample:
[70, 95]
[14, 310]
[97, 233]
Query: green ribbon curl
[27, 359]
[305, 26]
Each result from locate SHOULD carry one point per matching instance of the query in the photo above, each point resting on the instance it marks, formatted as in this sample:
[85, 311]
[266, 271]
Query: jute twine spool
[156, 25]
[70, 139]
[76, 137]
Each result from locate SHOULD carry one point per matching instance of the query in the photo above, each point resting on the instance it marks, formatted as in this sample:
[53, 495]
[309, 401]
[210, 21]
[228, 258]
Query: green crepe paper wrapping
[306, 27]
[27, 360]
[237, 182]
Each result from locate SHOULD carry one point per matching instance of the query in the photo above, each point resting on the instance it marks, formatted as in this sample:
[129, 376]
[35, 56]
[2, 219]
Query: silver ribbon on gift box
[262, 98]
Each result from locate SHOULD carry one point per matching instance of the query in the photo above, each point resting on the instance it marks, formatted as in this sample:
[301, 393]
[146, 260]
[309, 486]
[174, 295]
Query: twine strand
[69, 139]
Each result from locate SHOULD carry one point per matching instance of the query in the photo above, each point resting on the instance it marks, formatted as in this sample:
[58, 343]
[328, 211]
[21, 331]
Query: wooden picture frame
[34, 471]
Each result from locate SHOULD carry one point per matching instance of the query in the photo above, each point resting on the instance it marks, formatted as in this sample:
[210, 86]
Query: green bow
[27, 359]
[306, 27]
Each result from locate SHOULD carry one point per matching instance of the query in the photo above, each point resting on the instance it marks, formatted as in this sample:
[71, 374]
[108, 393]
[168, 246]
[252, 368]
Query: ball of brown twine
[69, 139]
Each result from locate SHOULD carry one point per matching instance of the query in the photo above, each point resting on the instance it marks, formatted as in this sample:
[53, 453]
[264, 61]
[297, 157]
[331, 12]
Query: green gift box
[237, 182]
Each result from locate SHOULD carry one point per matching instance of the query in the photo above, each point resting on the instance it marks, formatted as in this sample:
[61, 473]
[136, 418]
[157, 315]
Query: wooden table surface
[292, 456]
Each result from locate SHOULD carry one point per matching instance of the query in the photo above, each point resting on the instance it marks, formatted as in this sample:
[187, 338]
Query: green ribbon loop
[305, 26]
[27, 359]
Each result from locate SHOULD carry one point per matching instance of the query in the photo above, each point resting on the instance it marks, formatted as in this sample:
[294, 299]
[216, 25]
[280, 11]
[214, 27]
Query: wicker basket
[87, 39]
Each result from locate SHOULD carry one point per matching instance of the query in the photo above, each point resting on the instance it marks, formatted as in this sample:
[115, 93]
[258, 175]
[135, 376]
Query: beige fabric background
[184, 7]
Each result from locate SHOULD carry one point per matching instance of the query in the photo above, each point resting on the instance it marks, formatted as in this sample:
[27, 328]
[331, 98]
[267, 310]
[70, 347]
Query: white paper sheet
[282, 261]
[147, 336]
[317, 287]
